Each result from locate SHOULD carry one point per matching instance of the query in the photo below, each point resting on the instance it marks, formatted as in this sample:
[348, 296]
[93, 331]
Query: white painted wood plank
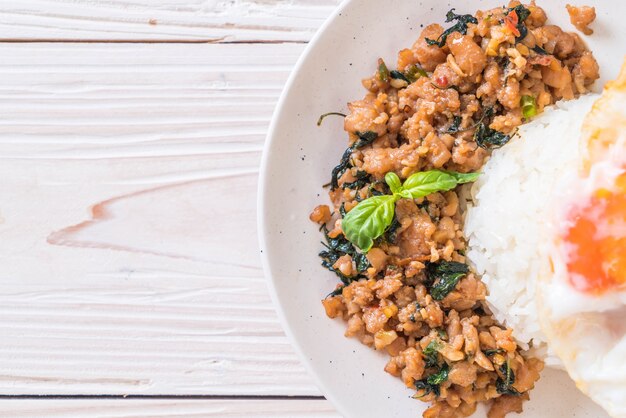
[128, 253]
[130, 408]
[158, 20]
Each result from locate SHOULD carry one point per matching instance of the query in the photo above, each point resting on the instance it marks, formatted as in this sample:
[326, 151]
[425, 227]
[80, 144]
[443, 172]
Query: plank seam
[173, 397]
[220, 41]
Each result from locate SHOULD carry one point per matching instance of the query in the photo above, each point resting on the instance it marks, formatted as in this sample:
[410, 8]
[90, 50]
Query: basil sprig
[371, 217]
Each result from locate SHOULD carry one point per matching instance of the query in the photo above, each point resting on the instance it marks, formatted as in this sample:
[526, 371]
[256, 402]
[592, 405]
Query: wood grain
[128, 253]
[172, 20]
[129, 408]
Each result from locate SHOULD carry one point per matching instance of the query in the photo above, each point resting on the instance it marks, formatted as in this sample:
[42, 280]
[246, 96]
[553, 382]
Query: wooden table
[130, 138]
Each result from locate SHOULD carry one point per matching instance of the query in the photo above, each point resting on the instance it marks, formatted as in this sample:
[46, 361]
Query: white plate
[298, 159]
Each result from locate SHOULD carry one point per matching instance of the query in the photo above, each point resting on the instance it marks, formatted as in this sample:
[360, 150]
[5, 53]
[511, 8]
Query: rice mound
[509, 210]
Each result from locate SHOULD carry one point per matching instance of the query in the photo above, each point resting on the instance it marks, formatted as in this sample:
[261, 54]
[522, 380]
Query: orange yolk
[597, 258]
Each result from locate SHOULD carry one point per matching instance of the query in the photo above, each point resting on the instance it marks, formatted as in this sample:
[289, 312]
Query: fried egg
[581, 296]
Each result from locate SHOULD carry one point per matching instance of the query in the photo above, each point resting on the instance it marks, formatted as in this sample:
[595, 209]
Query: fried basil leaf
[431, 353]
[362, 180]
[337, 247]
[414, 73]
[365, 138]
[444, 276]
[338, 291]
[504, 385]
[439, 377]
[432, 382]
[488, 138]
[522, 14]
[455, 126]
[341, 168]
[397, 75]
[460, 26]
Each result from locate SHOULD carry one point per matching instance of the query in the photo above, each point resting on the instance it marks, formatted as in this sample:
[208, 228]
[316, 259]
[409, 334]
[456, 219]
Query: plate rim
[261, 206]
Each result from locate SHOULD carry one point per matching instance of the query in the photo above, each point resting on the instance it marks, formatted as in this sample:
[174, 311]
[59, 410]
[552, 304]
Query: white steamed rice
[506, 219]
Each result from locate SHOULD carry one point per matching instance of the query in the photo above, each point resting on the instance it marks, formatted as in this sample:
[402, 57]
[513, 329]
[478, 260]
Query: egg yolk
[596, 241]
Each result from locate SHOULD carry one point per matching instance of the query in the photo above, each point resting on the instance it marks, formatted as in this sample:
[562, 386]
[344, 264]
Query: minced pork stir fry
[394, 236]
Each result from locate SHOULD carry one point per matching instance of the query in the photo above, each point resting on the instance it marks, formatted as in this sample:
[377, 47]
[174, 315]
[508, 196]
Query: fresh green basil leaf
[463, 178]
[393, 181]
[427, 182]
[368, 220]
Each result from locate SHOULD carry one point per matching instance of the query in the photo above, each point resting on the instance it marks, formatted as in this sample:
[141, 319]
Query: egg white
[586, 331]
